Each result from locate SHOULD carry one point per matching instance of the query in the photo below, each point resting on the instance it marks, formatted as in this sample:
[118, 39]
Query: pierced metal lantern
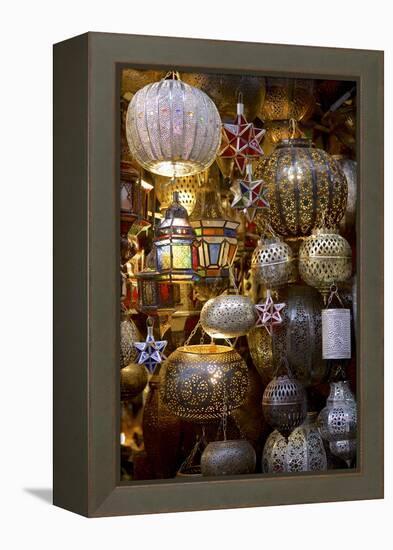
[228, 316]
[346, 450]
[336, 333]
[133, 380]
[186, 186]
[224, 90]
[305, 186]
[298, 338]
[325, 257]
[216, 238]
[128, 335]
[173, 129]
[284, 404]
[228, 458]
[173, 244]
[303, 451]
[288, 98]
[338, 420]
[198, 380]
[271, 262]
[349, 167]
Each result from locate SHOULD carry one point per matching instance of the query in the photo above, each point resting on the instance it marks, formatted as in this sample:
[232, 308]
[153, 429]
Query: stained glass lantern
[173, 129]
[156, 297]
[175, 254]
[216, 238]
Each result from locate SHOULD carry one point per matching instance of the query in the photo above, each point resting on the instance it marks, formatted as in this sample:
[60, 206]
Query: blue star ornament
[150, 351]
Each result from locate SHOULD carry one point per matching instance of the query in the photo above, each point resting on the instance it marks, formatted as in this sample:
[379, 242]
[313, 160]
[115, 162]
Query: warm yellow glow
[146, 185]
[122, 438]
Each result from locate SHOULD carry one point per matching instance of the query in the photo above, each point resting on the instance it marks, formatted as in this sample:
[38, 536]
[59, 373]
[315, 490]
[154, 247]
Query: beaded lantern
[305, 186]
[271, 262]
[216, 239]
[228, 316]
[325, 258]
[303, 451]
[197, 380]
[176, 259]
[227, 458]
[284, 404]
[173, 129]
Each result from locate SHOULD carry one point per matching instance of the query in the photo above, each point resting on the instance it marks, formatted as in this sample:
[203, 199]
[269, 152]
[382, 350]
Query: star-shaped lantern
[269, 314]
[249, 194]
[241, 140]
[151, 350]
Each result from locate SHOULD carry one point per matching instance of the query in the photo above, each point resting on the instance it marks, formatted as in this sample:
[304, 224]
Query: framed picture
[218, 274]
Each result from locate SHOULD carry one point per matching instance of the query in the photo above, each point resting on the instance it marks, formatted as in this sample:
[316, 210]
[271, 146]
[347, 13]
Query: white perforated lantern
[173, 129]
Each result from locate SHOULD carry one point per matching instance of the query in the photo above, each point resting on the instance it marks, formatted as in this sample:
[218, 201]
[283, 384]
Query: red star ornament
[241, 140]
[269, 314]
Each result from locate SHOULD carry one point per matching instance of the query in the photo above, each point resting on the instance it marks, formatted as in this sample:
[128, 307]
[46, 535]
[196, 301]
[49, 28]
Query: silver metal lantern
[271, 262]
[173, 129]
[228, 457]
[228, 316]
[336, 333]
[338, 420]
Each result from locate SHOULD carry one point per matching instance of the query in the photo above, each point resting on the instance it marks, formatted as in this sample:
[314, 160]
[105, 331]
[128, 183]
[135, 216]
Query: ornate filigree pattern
[230, 457]
[288, 98]
[129, 334]
[271, 262]
[338, 420]
[228, 316]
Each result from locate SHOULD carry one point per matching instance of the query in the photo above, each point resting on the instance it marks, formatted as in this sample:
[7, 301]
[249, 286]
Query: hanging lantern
[216, 239]
[338, 420]
[303, 451]
[173, 129]
[288, 98]
[269, 314]
[224, 89]
[349, 167]
[336, 333]
[284, 404]
[325, 258]
[197, 378]
[173, 244]
[271, 262]
[304, 184]
[133, 380]
[151, 351]
[228, 458]
[345, 450]
[129, 334]
[228, 316]
[249, 194]
[186, 186]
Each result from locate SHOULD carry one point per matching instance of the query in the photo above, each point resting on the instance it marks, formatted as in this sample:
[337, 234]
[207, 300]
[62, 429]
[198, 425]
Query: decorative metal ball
[346, 450]
[325, 257]
[186, 186]
[228, 316]
[303, 451]
[173, 129]
[228, 458]
[128, 335]
[288, 98]
[306, 186]
[133, 380]
[338, 420]
[271, 262]
[197, 380]
[284, 404]
[298, 338]
[224, 91]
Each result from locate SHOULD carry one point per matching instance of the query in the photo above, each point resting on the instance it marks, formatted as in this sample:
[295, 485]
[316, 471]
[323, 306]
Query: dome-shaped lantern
[173, 129]
[173, 244]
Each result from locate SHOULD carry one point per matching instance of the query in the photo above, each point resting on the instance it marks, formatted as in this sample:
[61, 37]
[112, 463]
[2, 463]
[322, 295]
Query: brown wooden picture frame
[86, 283]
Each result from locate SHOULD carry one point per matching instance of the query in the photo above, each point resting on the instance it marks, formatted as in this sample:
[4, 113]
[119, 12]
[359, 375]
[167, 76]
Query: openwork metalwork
[298, 338]
[306, 186]
[133, 380]
[227, 458]
[325, 257]
[129, 334]
[349, 167]
[198, 379]
[338, 420]
[228, 316]
[187, 188]
[288, 98]
[173, 244]
[303, 451]
[346, 450]
[271, 262]
[336, 333]
[284, 404]
[173, 129]
[216, 238]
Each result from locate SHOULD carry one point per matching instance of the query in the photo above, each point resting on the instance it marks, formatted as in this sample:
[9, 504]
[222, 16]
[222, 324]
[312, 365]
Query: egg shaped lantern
[228, 316]
[173, 129]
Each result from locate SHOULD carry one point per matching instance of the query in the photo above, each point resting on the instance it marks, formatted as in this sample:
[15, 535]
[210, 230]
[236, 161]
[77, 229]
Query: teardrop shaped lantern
[216, 238]
[173, 129]
[173, 244]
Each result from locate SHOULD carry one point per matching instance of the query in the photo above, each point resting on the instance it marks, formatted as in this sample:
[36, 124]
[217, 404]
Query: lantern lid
[295, 142]
[176, 217]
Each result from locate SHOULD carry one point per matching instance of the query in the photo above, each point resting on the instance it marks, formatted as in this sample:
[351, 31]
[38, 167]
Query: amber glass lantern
[156, 297]
[175, 254]
[216, 238]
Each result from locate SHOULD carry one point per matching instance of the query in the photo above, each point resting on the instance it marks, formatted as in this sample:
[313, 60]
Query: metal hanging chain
[233, 280]
[334, 294]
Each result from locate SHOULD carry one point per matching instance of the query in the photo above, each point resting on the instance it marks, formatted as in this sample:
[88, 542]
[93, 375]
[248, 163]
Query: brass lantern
[228, 316]
[186, 186]
[271, 262]
[306, 186]
[199, 380]
[288, 98]
[325, 257]
[175, 258]
[216, 238]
